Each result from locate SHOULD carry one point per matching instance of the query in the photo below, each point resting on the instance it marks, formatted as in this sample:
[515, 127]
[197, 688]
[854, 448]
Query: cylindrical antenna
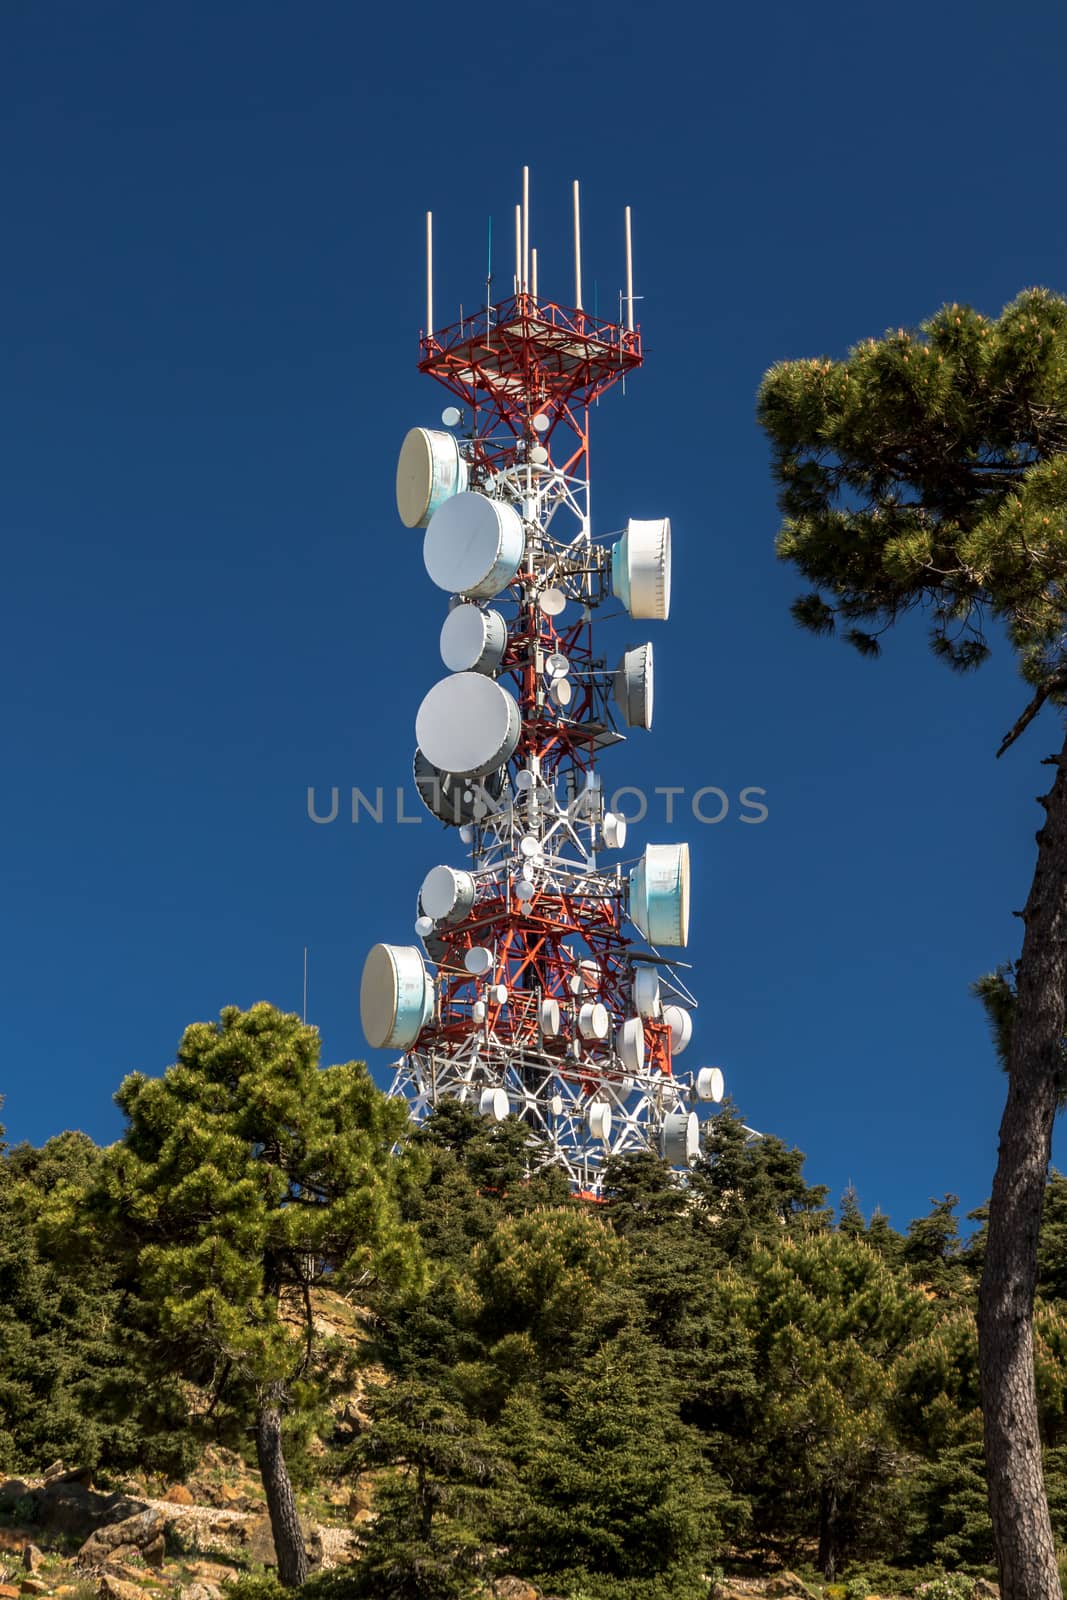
[518, 249]
[629, 275]
[525, 230]
[429, 273]
[577, 249]
[533, 271]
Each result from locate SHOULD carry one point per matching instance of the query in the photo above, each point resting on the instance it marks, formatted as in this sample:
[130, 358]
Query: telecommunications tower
[540, 988]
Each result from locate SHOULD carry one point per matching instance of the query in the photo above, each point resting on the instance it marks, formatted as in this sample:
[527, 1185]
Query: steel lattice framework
[547, 904]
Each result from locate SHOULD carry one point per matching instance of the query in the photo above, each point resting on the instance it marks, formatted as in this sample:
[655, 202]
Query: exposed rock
[178, 1495]
[69, 1508]
[33, 1586]
[985, 1590]
[514, 1589]
[258, 1541]
[56, 1470]
[200, 1591]
[144, 1528]
[32, 1558]
[787, 1586]
[155, 1551]
[110, 1588]
[215, 1572]
[8, 1591]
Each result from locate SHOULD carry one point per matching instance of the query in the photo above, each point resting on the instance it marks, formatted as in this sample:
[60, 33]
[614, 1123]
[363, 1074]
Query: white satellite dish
[429, 472]
[466, 833]
[473, 640]
[641, 569]
[542, 423]
[478, 1011]
[710, 1084]
[556, 1105]
[478, 961]
[498, 994]
[553, 602]
[451, 416]
[524, 889]
[633, 687]
[550, 1018]
[647, 1001]
[530, 847]
[468, 725]
[680, 1137]
[447, 894]
[556, 666]
[630, 1043]
[600, 1120]
[680, 1023]
[449, 798]
[538, 456]
[659, 894]
[524, 779]
[594, 1021]
[473, 546]
[614, 827]
[424, 927]
[395, 996]
[494, 1104]
[562, 691]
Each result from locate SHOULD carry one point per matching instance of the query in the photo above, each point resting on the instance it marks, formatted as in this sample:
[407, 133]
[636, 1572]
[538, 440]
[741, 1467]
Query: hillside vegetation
[475, 1378]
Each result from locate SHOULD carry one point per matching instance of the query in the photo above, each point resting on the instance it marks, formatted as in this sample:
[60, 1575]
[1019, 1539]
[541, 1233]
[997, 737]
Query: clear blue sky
[212, 287]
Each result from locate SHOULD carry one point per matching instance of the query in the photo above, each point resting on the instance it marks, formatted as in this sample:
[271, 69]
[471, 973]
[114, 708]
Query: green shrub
[949, 1586]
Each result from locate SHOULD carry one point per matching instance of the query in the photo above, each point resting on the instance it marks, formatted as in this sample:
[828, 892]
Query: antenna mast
[539, 987]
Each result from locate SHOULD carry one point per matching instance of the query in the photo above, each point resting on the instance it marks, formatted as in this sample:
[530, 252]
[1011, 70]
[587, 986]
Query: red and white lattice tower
[541, 990]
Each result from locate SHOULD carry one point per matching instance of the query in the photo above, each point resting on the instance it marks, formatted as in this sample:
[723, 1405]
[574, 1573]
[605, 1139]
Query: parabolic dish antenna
[468, 725]
[633, 687]
[549, 1015]
[429, 472]
[641, 569]
[553, 602]
[478, 961]
[450, 798]
[473, 640]
[395, 996]
[542, 423]
[681, 1025]
[711, 1085]
[630, 1042]
[614, 830]
[659, 894]
[494, 1104]
[473, 545]
[600, 1120]
[681, 1137]
[451, 416]
[646, 991]
[447, 894]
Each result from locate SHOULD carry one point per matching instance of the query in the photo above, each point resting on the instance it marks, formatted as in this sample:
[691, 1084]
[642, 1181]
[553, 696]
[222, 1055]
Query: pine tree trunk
[828, 1545]
[284, 1521]
[1026, 1553]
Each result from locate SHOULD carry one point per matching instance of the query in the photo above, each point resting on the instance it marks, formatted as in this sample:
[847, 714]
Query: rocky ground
[60, 1536]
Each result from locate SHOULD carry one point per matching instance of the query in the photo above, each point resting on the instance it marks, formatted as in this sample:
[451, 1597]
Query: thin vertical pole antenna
[525, 230]
[629, 275]
[429, 273]
[489, 268]
[533, 271]
[577, 249]
[518, 249]
[305, 983]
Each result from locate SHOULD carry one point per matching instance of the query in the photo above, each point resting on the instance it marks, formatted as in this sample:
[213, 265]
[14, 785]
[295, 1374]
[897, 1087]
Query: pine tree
[245, 1177]
[826, 1318]
[928, 471]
